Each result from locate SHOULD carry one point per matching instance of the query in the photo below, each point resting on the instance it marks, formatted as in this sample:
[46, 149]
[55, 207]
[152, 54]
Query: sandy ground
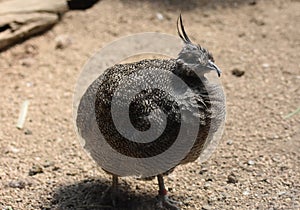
[257, 164]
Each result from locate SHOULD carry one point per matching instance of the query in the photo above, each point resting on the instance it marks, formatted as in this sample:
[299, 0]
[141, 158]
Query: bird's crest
[181, 31]
[182, 34]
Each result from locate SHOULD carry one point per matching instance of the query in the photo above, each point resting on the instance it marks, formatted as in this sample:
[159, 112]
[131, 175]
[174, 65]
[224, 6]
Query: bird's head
[193, 56]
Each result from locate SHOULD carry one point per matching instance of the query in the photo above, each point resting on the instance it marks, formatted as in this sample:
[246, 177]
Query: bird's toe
[164, 202]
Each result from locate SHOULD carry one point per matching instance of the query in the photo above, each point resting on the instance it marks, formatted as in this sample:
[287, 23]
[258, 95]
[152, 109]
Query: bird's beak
[213, 66]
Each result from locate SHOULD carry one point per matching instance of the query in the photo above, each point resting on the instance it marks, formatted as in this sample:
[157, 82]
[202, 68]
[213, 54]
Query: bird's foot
[164, 202]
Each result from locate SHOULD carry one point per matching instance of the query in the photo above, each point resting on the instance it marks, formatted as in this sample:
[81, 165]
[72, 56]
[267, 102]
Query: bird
[206, 105]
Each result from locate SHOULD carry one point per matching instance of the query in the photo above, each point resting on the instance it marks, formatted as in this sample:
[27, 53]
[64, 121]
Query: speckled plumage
[148, 100]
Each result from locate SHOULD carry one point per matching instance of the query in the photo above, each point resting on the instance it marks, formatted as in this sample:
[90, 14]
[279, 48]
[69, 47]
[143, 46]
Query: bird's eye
[210, 57]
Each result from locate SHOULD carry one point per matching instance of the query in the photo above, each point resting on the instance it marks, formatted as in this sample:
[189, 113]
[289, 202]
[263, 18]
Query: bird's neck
[189, 75]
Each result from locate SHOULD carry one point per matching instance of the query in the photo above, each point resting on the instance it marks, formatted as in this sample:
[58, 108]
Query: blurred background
[43, 49]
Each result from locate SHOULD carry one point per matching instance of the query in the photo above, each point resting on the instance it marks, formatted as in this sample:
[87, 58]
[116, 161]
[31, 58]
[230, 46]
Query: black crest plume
[181, 31]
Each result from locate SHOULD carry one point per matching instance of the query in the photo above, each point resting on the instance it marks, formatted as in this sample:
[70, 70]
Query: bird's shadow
[86, 195]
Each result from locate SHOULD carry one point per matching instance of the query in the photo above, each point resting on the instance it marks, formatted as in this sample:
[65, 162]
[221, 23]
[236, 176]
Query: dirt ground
[257, 163]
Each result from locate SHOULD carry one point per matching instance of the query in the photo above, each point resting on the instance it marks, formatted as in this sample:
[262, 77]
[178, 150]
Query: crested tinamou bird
[207, 105]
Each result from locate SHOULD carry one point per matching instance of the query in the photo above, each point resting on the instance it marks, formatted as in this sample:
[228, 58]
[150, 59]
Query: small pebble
[266, 180]
[31, 49]
[283, 168]
[288, 199]
[212, 199]
[48, 163]
[29, 84]
[251, 162]
[27, 132]
[246, 192]
[265, 65]
[62, 41]
[276, 159]
[35, 170]
[242, 34]
[206, 207]
[27, 62]
[223, 196]
[209, 179]
[237, 72]
[281, 193]
[159, 16]
[17, 184]
[232, 179]
[229, 142]
[58, 140]
[47, 208]
[19, 200]
[203, 170]
[12, 150]
[55, 168]
[258, 22]
[206, 186]
[71, 173]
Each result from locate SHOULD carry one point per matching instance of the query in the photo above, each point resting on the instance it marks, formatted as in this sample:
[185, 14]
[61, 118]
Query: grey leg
[111, 190]
[114, 189]
[164, 201]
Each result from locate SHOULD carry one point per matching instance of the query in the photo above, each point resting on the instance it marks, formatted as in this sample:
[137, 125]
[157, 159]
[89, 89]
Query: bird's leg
[164, 201]
[112, 190]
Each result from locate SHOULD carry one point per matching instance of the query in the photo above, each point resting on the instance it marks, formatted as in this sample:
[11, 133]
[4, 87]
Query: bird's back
[144, 106]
